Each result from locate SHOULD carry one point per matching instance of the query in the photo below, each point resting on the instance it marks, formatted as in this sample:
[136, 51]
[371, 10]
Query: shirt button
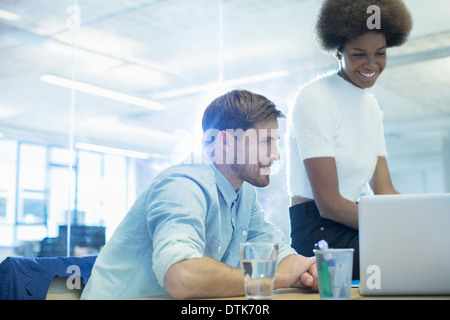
[322, 228]
[244, 233]
[219, 248]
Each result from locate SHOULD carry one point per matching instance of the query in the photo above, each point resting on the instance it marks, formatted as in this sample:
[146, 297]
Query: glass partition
[97, 97]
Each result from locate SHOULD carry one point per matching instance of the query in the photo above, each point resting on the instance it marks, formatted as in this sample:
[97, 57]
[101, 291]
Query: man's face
[255, 152]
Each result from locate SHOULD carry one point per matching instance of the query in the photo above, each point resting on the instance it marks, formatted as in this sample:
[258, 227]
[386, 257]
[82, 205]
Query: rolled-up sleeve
[175, 221]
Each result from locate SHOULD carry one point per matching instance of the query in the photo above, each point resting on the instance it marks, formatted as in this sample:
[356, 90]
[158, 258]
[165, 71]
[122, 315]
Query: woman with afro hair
[336, 145]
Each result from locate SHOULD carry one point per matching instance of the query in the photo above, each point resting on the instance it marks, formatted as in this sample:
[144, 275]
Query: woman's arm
[322, 174]
[381, 182]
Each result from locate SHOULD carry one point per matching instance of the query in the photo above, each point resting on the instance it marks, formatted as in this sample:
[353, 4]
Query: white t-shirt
[333, 118]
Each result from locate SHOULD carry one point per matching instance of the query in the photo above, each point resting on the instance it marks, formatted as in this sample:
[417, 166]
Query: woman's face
[363, 59]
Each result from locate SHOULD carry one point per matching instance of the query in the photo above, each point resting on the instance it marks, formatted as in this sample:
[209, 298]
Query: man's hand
[297, 271]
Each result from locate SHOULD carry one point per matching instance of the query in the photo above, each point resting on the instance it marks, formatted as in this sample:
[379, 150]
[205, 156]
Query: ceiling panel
[181, 54]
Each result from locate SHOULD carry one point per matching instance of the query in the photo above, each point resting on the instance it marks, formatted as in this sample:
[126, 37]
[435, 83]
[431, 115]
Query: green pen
[323, 271]
[324, 280]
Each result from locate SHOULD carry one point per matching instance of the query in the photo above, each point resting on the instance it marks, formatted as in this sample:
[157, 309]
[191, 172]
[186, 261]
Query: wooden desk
[58, 291]
[307, 294]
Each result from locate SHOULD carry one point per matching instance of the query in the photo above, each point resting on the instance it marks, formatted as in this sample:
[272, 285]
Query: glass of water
[258, 264]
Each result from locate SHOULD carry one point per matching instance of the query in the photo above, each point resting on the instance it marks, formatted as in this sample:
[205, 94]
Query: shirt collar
[225, 187]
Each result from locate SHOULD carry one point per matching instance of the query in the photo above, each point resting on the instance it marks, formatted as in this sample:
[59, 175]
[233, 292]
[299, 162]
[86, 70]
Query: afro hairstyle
[341, 20]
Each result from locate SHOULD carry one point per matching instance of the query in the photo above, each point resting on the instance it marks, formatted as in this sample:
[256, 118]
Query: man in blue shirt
[181, 237]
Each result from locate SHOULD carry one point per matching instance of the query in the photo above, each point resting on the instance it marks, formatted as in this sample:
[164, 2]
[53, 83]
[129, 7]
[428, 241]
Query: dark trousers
[308, 228]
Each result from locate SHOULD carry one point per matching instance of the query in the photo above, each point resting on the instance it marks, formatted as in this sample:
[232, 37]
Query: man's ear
[225, 141]
[224, 150]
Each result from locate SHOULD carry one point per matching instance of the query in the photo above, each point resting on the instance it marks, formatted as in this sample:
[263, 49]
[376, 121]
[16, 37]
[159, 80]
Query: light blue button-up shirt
[189, 211]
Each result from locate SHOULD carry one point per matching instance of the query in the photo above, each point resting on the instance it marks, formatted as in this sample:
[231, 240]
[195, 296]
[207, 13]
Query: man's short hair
[239, 109]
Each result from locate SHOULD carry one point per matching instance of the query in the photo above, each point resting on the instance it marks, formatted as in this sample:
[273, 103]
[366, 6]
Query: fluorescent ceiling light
[7, 15]
[225, 84]
[87, 88]
[109, 150]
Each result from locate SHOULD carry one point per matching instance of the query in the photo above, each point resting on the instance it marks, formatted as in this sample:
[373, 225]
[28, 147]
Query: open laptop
[404, 243]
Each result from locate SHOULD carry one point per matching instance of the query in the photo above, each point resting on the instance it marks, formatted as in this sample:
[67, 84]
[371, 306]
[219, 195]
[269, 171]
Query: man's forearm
[203, 278]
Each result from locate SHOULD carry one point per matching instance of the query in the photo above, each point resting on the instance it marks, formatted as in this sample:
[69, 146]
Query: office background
[97, 97]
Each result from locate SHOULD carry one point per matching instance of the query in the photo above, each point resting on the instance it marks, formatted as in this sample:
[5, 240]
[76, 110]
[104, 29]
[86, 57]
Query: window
[3, 208]
[45, 184]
